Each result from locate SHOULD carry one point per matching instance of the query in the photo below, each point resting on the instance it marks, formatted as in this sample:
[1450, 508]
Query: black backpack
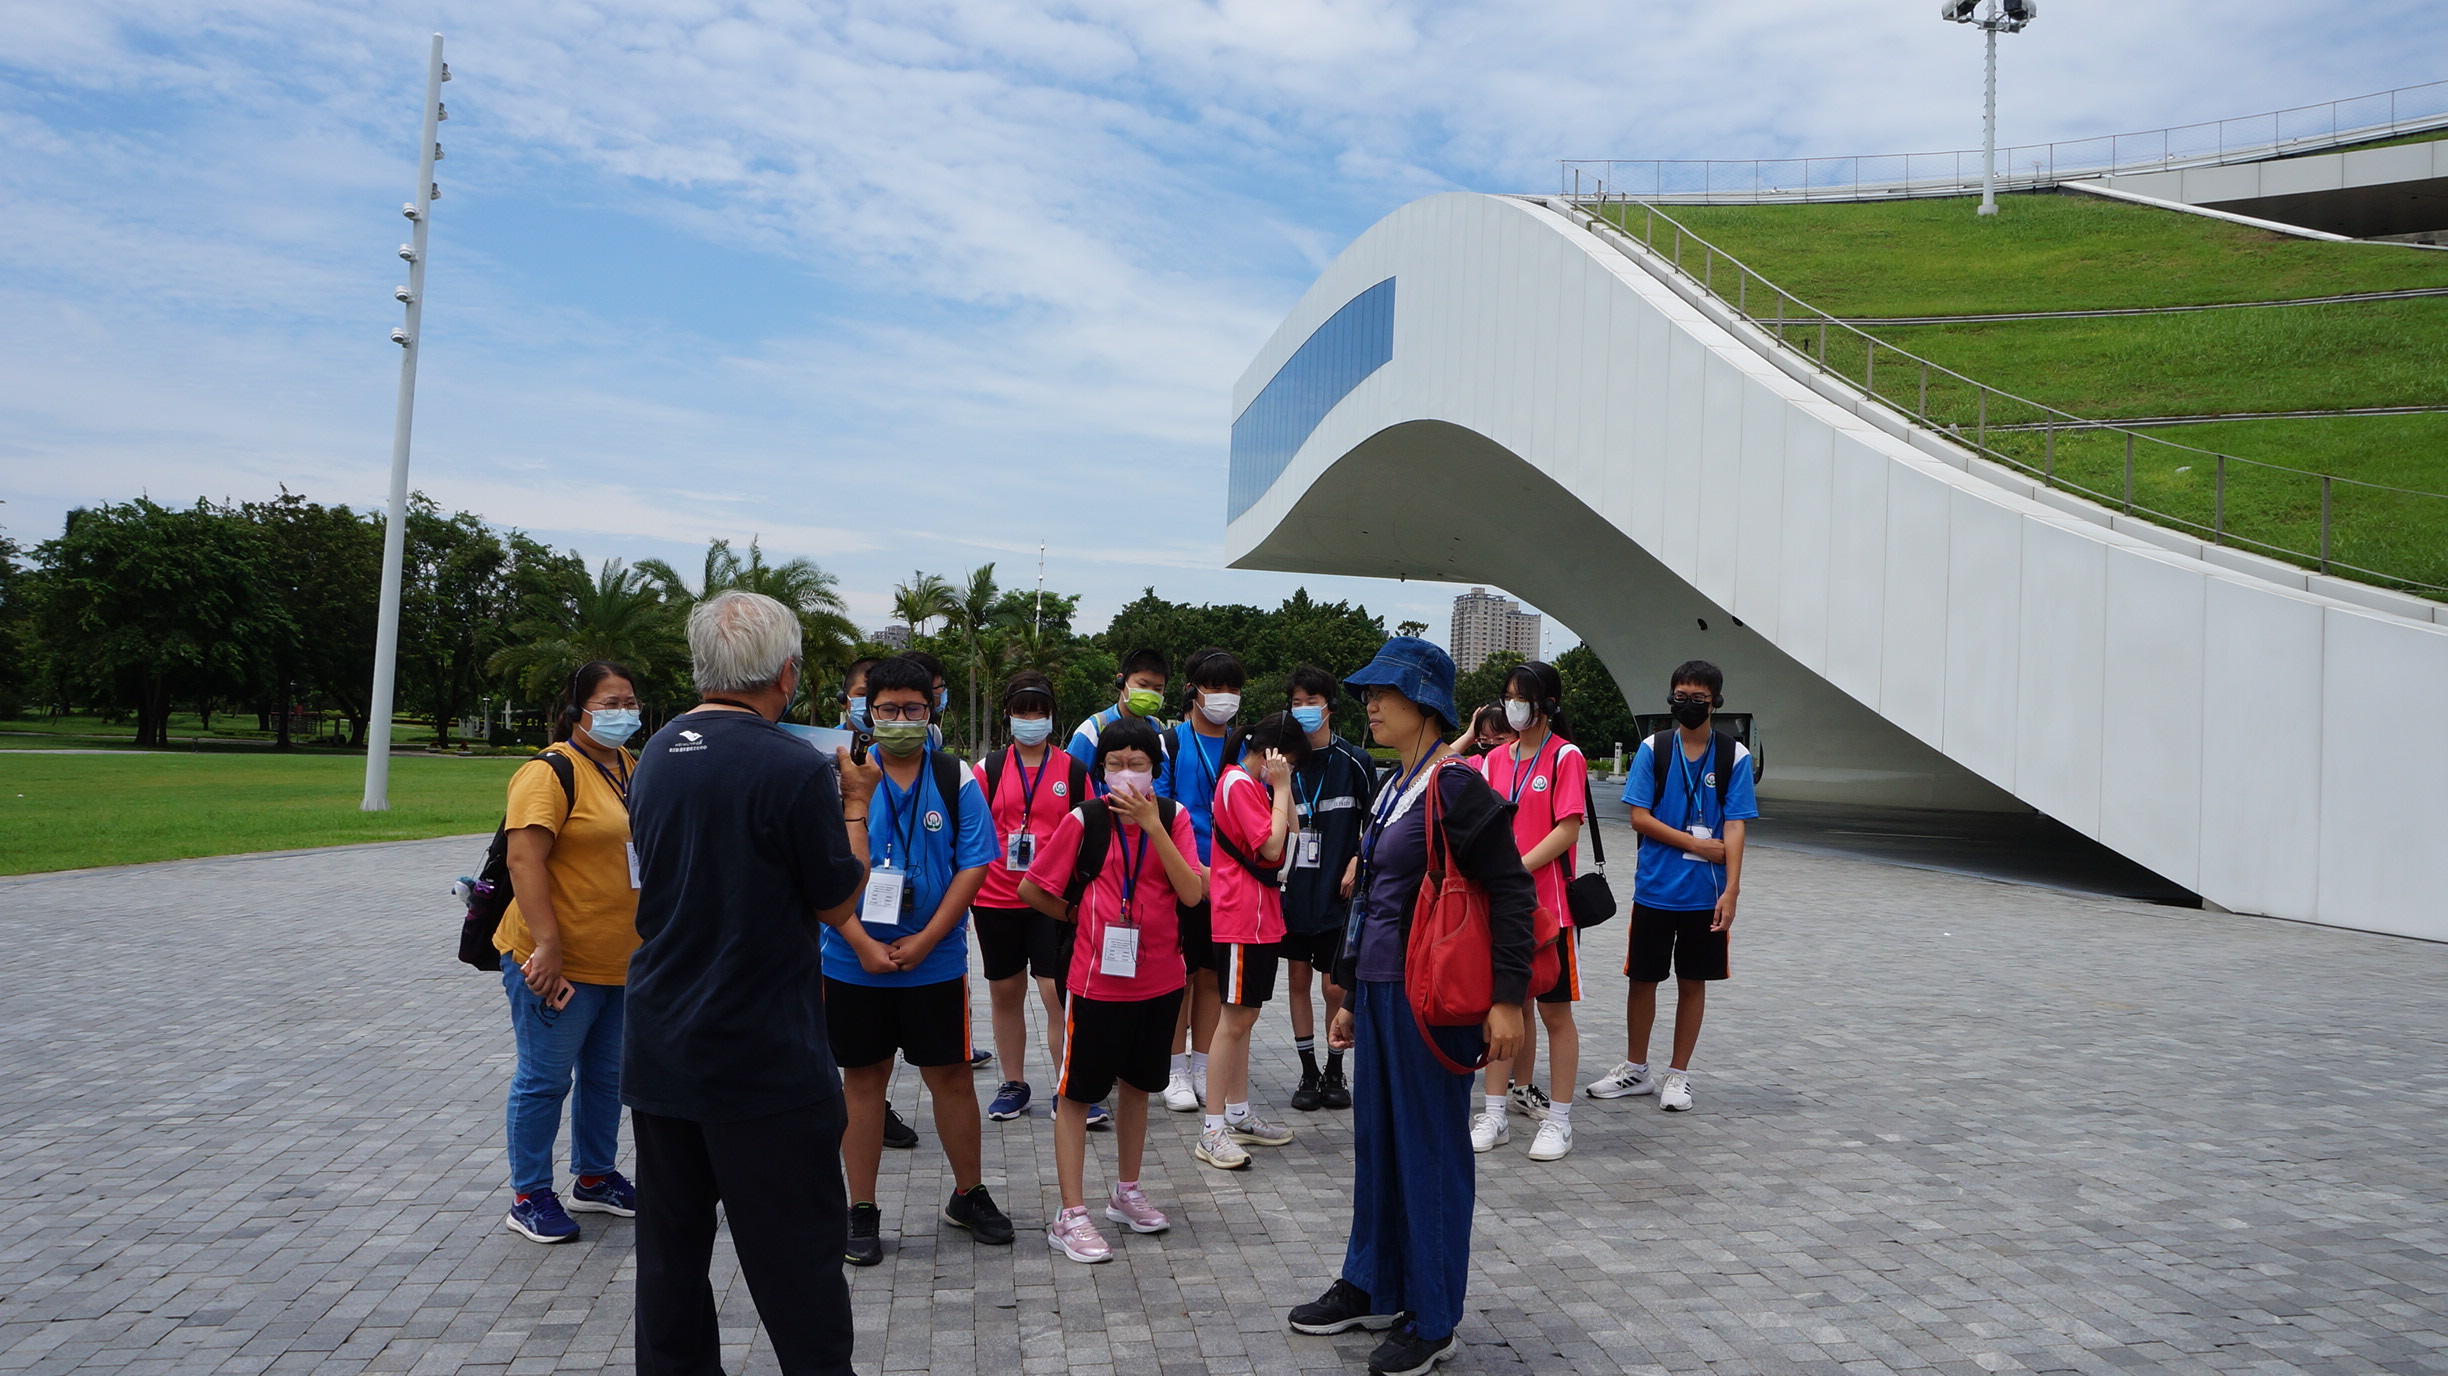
[1096, 837]
[1664, 741]
[488, 897]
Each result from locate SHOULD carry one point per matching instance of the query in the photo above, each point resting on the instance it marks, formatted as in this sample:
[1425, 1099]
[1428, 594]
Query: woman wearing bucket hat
[1408, 1260]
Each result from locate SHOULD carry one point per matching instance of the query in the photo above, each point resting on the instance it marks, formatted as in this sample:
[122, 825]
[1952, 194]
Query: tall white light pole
[2003, 16]
[395, 527]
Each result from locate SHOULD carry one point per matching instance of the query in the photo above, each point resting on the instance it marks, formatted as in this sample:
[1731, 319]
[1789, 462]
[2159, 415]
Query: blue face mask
[858, 712]
[1032, 730]
[612, 726]
[1310, 718]
[943, 700]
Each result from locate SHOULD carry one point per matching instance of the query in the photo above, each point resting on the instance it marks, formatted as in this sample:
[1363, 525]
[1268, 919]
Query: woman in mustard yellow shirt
[565, 942]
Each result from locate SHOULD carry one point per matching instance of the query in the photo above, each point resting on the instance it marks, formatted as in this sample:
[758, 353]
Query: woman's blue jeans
[581, 1042]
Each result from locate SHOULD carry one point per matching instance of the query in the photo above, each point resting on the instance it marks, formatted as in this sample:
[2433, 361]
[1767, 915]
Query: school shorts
[1197, 936]
[1105, 1041]
[1568, 968]
[1011, 940]
[927, 1023]
[1245, 975]
[1317, 950]
[1663, 936]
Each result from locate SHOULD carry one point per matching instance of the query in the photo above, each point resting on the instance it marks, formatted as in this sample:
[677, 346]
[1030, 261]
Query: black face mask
[1690, 714]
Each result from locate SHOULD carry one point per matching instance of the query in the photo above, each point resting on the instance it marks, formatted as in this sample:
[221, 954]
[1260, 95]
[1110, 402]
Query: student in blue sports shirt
[1691, 798]
[1139, 690]
[1193, 765]
[930, 838]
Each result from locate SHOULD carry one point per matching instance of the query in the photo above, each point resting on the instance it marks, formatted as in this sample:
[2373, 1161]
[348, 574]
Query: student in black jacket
[1413, 1186]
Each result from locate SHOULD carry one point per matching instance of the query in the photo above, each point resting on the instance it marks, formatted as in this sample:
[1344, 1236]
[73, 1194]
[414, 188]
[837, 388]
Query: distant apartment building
[1484, 623]
[895, 635]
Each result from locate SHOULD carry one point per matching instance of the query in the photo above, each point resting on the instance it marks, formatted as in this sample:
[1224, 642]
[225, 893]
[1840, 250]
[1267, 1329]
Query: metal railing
[2303, 129]
[2319, 520]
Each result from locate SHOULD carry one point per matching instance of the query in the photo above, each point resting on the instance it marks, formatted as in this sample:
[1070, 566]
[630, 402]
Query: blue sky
[895, 286]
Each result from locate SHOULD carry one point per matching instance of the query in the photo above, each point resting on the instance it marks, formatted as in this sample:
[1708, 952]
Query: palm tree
[619, 616]
[826, 632]
[922, 599]
[972, 618]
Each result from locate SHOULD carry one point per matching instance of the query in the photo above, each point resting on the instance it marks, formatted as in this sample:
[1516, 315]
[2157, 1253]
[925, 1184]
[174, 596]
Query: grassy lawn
[74, 811]
[2038, 253]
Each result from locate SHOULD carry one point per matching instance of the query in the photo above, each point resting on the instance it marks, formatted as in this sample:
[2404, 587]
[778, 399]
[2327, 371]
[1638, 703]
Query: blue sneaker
[1100, 1118]
[1011, 1101]
[611, 1194]
[539, 1218]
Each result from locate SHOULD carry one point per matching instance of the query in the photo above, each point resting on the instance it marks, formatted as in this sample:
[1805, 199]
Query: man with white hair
[746, 840]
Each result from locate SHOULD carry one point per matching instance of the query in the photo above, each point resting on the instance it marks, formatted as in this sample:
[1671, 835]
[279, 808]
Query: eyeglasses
[1699, 699]
[898, 711]
[613, 705]
[1371, 692]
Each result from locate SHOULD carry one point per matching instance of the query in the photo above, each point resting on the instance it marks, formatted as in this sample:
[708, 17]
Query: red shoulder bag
[1449, 963]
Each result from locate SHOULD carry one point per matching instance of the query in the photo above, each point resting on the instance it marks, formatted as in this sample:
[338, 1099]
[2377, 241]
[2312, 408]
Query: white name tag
[1121, 955]
[633, 868]
[883, 901]
[1699, 830]
[1018, 850]
[1307, 852]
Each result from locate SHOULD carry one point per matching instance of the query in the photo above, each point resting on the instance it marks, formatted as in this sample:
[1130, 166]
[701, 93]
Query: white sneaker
[1198, 1086]
[1554, 1141]
[1179, 1096]
[1624, 1081]
[1217, 1149]
[1674, 1091]
[1490, 1131]
[1529, 1101]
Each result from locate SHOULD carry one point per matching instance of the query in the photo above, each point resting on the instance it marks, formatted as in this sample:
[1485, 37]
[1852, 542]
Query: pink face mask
[1137, 782]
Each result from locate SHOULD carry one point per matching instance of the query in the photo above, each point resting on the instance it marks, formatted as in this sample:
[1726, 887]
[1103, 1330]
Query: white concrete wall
[2275, 749]
[2252, 181]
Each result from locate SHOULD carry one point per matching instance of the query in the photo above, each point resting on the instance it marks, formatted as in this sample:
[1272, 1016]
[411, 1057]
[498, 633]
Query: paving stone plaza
[251, 1120]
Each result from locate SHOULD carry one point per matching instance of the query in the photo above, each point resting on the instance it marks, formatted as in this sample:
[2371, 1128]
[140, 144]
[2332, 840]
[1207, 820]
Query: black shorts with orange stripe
[927, 1023]
[1105, 1041]
[1568, 974]
[1245, 975]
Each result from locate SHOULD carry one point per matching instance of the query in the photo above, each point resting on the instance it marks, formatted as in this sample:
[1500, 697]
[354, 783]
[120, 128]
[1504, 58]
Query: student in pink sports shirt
[1546, 779]
[1252, 827]
[1126, 972]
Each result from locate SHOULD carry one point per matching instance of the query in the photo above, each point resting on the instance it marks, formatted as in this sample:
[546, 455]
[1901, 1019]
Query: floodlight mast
[2002, 16]
[395, 525]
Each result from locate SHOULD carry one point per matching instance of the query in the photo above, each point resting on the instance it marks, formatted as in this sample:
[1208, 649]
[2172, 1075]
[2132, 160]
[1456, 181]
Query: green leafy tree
[926, 597]
[829, 640]
[618, 614]
[324, 565]
[1412, 628]
[1485, 684]
[457, 600]
[1594, 703]
[144, 605]
[16, 630]
[974, 629]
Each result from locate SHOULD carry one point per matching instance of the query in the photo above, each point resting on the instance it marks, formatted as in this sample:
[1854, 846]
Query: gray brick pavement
[250, 1121]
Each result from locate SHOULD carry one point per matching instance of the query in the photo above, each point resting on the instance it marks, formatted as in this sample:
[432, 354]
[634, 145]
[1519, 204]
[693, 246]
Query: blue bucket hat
[1416, 669]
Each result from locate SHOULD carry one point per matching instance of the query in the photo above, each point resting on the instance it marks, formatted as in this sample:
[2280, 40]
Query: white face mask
[1031, 730]
[1219, 707]
[1517, 714]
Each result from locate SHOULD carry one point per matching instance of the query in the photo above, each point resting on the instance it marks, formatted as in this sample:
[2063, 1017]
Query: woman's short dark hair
[905, 672]
[1127, 733]
[1026, 689]
[1543, 688]
[582, 685]
[1309, 678]
[1276, 731]
[1489, 717]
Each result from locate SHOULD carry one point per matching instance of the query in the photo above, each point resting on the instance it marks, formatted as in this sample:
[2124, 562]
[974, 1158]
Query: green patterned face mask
[901, 737]
[1144, 702]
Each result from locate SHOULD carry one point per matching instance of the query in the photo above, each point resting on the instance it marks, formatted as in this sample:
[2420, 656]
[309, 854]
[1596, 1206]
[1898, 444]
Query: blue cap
[1416, 669]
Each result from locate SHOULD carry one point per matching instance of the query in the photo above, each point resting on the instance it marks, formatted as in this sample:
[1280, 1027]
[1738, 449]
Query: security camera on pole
[2001, 16]
[395, 527]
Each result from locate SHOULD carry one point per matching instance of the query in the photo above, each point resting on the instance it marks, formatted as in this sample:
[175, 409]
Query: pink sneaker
[1077, 1238]
[1131, 1209]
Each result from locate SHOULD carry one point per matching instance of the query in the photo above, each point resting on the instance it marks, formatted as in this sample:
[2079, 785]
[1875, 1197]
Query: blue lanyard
[1692, 776]
[1385, 811]
[1028, 786]
[907, 837]
[1522, 776]
[1130, 877]
[1198, 747]
[1325, 767]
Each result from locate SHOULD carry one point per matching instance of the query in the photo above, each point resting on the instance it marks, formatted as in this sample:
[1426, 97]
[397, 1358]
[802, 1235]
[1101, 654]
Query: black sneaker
[898, 1134]
[975, 1210]
[1405, 1353]
[1333, 1090]
[1343, 1307]
[866, 1236]
[1308, 1096]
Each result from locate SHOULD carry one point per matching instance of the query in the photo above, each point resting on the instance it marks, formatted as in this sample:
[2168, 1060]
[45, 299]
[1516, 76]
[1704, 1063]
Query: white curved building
[1484, 389]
